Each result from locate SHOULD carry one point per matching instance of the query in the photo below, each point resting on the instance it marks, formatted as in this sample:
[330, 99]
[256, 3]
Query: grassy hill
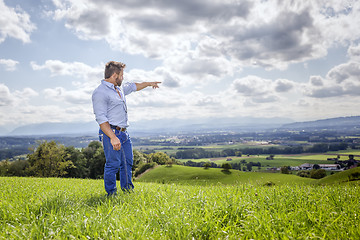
[54, 208]
[341, 177]
[200, 176]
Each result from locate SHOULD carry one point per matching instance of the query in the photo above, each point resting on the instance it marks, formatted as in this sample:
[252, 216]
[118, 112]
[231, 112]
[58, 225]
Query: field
[213, 176]
[278, 161]
[229, 206]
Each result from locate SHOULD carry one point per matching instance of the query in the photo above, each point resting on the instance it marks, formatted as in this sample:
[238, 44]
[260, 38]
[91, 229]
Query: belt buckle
[121, 129]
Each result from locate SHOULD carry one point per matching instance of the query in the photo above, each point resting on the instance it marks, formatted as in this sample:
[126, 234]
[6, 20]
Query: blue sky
[218, 58]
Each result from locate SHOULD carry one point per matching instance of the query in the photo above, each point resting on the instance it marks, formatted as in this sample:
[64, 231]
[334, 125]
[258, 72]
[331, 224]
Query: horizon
[176, 126]
[215, 59]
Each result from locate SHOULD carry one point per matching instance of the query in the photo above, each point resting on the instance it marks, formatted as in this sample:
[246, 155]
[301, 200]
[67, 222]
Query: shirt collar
[108, 84]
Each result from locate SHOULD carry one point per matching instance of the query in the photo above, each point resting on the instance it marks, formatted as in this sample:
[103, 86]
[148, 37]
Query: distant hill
[332, 123]
[198, 125]
[158, 126]
[56, 128]
[4, 131]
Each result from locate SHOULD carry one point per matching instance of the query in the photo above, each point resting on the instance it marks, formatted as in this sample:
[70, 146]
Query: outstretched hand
[154, 84]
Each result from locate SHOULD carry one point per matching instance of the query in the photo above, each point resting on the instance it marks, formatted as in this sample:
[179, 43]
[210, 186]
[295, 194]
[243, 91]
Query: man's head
[114, 71]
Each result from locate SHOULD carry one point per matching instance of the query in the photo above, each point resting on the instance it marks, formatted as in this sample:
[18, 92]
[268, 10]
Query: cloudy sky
[215, 58]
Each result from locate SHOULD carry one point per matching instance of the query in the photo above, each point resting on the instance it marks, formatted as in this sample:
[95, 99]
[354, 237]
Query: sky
[215, 58]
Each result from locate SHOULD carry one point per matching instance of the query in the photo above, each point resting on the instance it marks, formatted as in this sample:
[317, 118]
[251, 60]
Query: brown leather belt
[118, 128]
[121, 129]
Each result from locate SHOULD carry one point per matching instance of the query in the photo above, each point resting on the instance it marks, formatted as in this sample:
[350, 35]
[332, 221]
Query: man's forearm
[140, 86]
[114, 140]
[105, 127]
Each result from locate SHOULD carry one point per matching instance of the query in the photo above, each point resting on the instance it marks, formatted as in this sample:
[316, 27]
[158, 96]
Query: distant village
[337, 166]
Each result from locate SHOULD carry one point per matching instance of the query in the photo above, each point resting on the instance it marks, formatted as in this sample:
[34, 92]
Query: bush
[226, 167]
[354, 176]
[303, 173]
[207, 165]
[284, 170]
[143, 167]
[317, 173]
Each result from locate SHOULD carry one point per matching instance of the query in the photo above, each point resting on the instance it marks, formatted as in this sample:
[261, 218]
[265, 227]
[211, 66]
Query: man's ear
[113, 75]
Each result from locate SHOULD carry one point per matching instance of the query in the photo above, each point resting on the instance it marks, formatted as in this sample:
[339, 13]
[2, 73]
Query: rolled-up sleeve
[99, 101]
[129, 88]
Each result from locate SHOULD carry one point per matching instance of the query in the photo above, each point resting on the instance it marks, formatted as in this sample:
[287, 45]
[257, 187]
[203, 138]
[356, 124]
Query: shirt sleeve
[129, 88]
[100, 107]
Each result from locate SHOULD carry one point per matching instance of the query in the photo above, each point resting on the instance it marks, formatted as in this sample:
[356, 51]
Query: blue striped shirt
[108, 106]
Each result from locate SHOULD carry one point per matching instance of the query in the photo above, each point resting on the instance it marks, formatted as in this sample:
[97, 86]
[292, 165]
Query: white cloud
[15, 23]
[14, 99]
[77, 69]
[354, 52]
[26, 93]
[341, 80]
[271, 33]
[60, 94]
[283, 85]
[316, 81]
[6, 97]
[9, 64]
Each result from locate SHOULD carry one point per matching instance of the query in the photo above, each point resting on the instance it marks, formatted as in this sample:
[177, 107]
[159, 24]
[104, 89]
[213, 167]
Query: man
[110, 110]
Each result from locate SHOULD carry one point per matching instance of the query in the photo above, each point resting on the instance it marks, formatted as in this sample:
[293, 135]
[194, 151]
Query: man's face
[119, 78]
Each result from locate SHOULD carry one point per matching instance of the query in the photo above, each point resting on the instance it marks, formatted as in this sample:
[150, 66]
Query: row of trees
[196, 153]
[242, 166]
[315, 173]
[50, 159]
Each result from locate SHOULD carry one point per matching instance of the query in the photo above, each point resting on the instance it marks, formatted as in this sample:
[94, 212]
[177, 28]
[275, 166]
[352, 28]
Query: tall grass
[33, 208]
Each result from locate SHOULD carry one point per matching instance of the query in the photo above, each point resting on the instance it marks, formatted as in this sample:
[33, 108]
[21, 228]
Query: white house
[308, 166]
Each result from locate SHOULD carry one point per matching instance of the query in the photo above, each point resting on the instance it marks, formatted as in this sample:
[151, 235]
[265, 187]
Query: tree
[4, 167]
[207, 165]
[80, 169]
[303, 173]
[317, 173]
[316, 166]
[18, 168]
[139, 158]
[94, 154]
[238, 153]
[249, 166]
[284, 170]
[226, 167]
[160, 158]
[48, 160]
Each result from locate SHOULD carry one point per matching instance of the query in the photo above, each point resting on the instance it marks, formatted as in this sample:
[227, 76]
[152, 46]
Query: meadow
[228, 206]
[278, 161]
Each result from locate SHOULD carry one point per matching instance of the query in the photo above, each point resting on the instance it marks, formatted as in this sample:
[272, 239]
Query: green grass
[340, 177]
[278, 161]
[33, 208]
[347, 152]
[200, 176]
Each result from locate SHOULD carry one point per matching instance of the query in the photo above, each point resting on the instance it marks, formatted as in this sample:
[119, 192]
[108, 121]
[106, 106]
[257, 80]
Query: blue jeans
[117, 160]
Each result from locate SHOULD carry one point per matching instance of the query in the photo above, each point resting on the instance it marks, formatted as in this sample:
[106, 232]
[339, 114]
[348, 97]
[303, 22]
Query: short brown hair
[113, 67]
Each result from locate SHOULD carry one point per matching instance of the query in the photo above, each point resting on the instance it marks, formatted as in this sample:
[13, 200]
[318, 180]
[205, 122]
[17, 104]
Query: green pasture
[278, 161]
[51, 208]
[200, 176]
[340, 177]
[210, 147]
[348, 152]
